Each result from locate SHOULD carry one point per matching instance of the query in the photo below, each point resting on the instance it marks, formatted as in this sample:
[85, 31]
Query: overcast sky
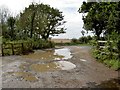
[68, 7]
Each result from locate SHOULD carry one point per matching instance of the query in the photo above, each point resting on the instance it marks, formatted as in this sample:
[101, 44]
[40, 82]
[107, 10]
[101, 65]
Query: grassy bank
[104, 58]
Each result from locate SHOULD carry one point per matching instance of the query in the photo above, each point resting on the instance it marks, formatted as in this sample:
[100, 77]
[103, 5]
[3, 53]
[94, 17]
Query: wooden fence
[22, 47]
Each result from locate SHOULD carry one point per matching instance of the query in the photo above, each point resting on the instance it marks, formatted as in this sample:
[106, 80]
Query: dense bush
[83, 40]
[74, 40]
[107, 55]
[28, 45]
[42, 44]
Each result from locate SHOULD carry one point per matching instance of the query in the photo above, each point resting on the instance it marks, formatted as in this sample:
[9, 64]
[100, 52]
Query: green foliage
[11, 26]
[104, 17]
[104, 57]
[114, 64]
[28, 46]
[41, 20]
[82, 40]
[99, 16]
[41, 44]
[74, 40]
[32, 27]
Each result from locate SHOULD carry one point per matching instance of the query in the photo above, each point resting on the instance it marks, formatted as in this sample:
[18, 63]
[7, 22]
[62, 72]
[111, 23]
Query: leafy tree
[51, 21]
[26, 22]
[42, 21]
[114, 26]
[104, 16]
[97, 16]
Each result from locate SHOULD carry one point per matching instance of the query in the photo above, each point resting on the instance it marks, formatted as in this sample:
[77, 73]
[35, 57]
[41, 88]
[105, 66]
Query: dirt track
[88, 71]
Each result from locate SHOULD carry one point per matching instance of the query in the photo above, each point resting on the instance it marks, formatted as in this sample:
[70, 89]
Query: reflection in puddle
[65, 65]
[59, 65]
[63, 52]
[56, 54]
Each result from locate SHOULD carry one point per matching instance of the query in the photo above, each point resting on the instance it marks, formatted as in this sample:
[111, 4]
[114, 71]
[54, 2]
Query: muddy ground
[87, 72]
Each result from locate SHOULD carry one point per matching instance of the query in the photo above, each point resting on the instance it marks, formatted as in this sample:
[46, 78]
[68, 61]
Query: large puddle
[59, 65]
[26, 76]
[43, 61]
[57, 54]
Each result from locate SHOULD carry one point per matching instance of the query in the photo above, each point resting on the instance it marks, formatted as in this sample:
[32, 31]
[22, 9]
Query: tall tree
[97, 16]
[114, 26]
[42, 20]
[50, 21]
[103, 16]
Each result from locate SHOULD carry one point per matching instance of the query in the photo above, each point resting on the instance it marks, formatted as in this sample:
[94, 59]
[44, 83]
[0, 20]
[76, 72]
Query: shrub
[83, 40]
[41, 44]
[74, 40]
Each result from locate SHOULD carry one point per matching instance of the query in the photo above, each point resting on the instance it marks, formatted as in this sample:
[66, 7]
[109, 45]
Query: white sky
[68, 7]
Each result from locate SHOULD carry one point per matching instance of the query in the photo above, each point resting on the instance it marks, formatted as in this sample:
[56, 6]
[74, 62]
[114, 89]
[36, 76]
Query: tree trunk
[32, 23]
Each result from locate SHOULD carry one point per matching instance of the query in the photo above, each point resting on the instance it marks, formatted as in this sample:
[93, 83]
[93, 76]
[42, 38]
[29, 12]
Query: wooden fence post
[2, 49]
[12, 49]
[22, 48]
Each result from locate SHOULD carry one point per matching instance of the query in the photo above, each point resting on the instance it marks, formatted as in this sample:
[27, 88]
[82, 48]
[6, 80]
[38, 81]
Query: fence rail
[102, 45]
[12, 47]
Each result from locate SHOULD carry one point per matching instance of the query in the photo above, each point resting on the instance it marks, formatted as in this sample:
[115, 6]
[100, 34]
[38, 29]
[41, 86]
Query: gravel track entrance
[88, 72]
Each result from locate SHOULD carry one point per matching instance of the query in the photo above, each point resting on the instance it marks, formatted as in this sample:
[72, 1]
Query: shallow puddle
[47, 55]
[57, 54]
[52, 60]
[44, 67]
[63, 52]
[59, 65]
[26, 76]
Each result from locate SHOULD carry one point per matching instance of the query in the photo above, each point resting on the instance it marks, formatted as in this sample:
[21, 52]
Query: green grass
[111, 63]
[114, 64]
[72, 44]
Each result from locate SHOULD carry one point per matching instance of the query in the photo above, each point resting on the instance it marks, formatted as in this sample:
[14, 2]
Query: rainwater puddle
[63, 52]
[57, 54]
[26, 76]
[59, 65]
[52, 60]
